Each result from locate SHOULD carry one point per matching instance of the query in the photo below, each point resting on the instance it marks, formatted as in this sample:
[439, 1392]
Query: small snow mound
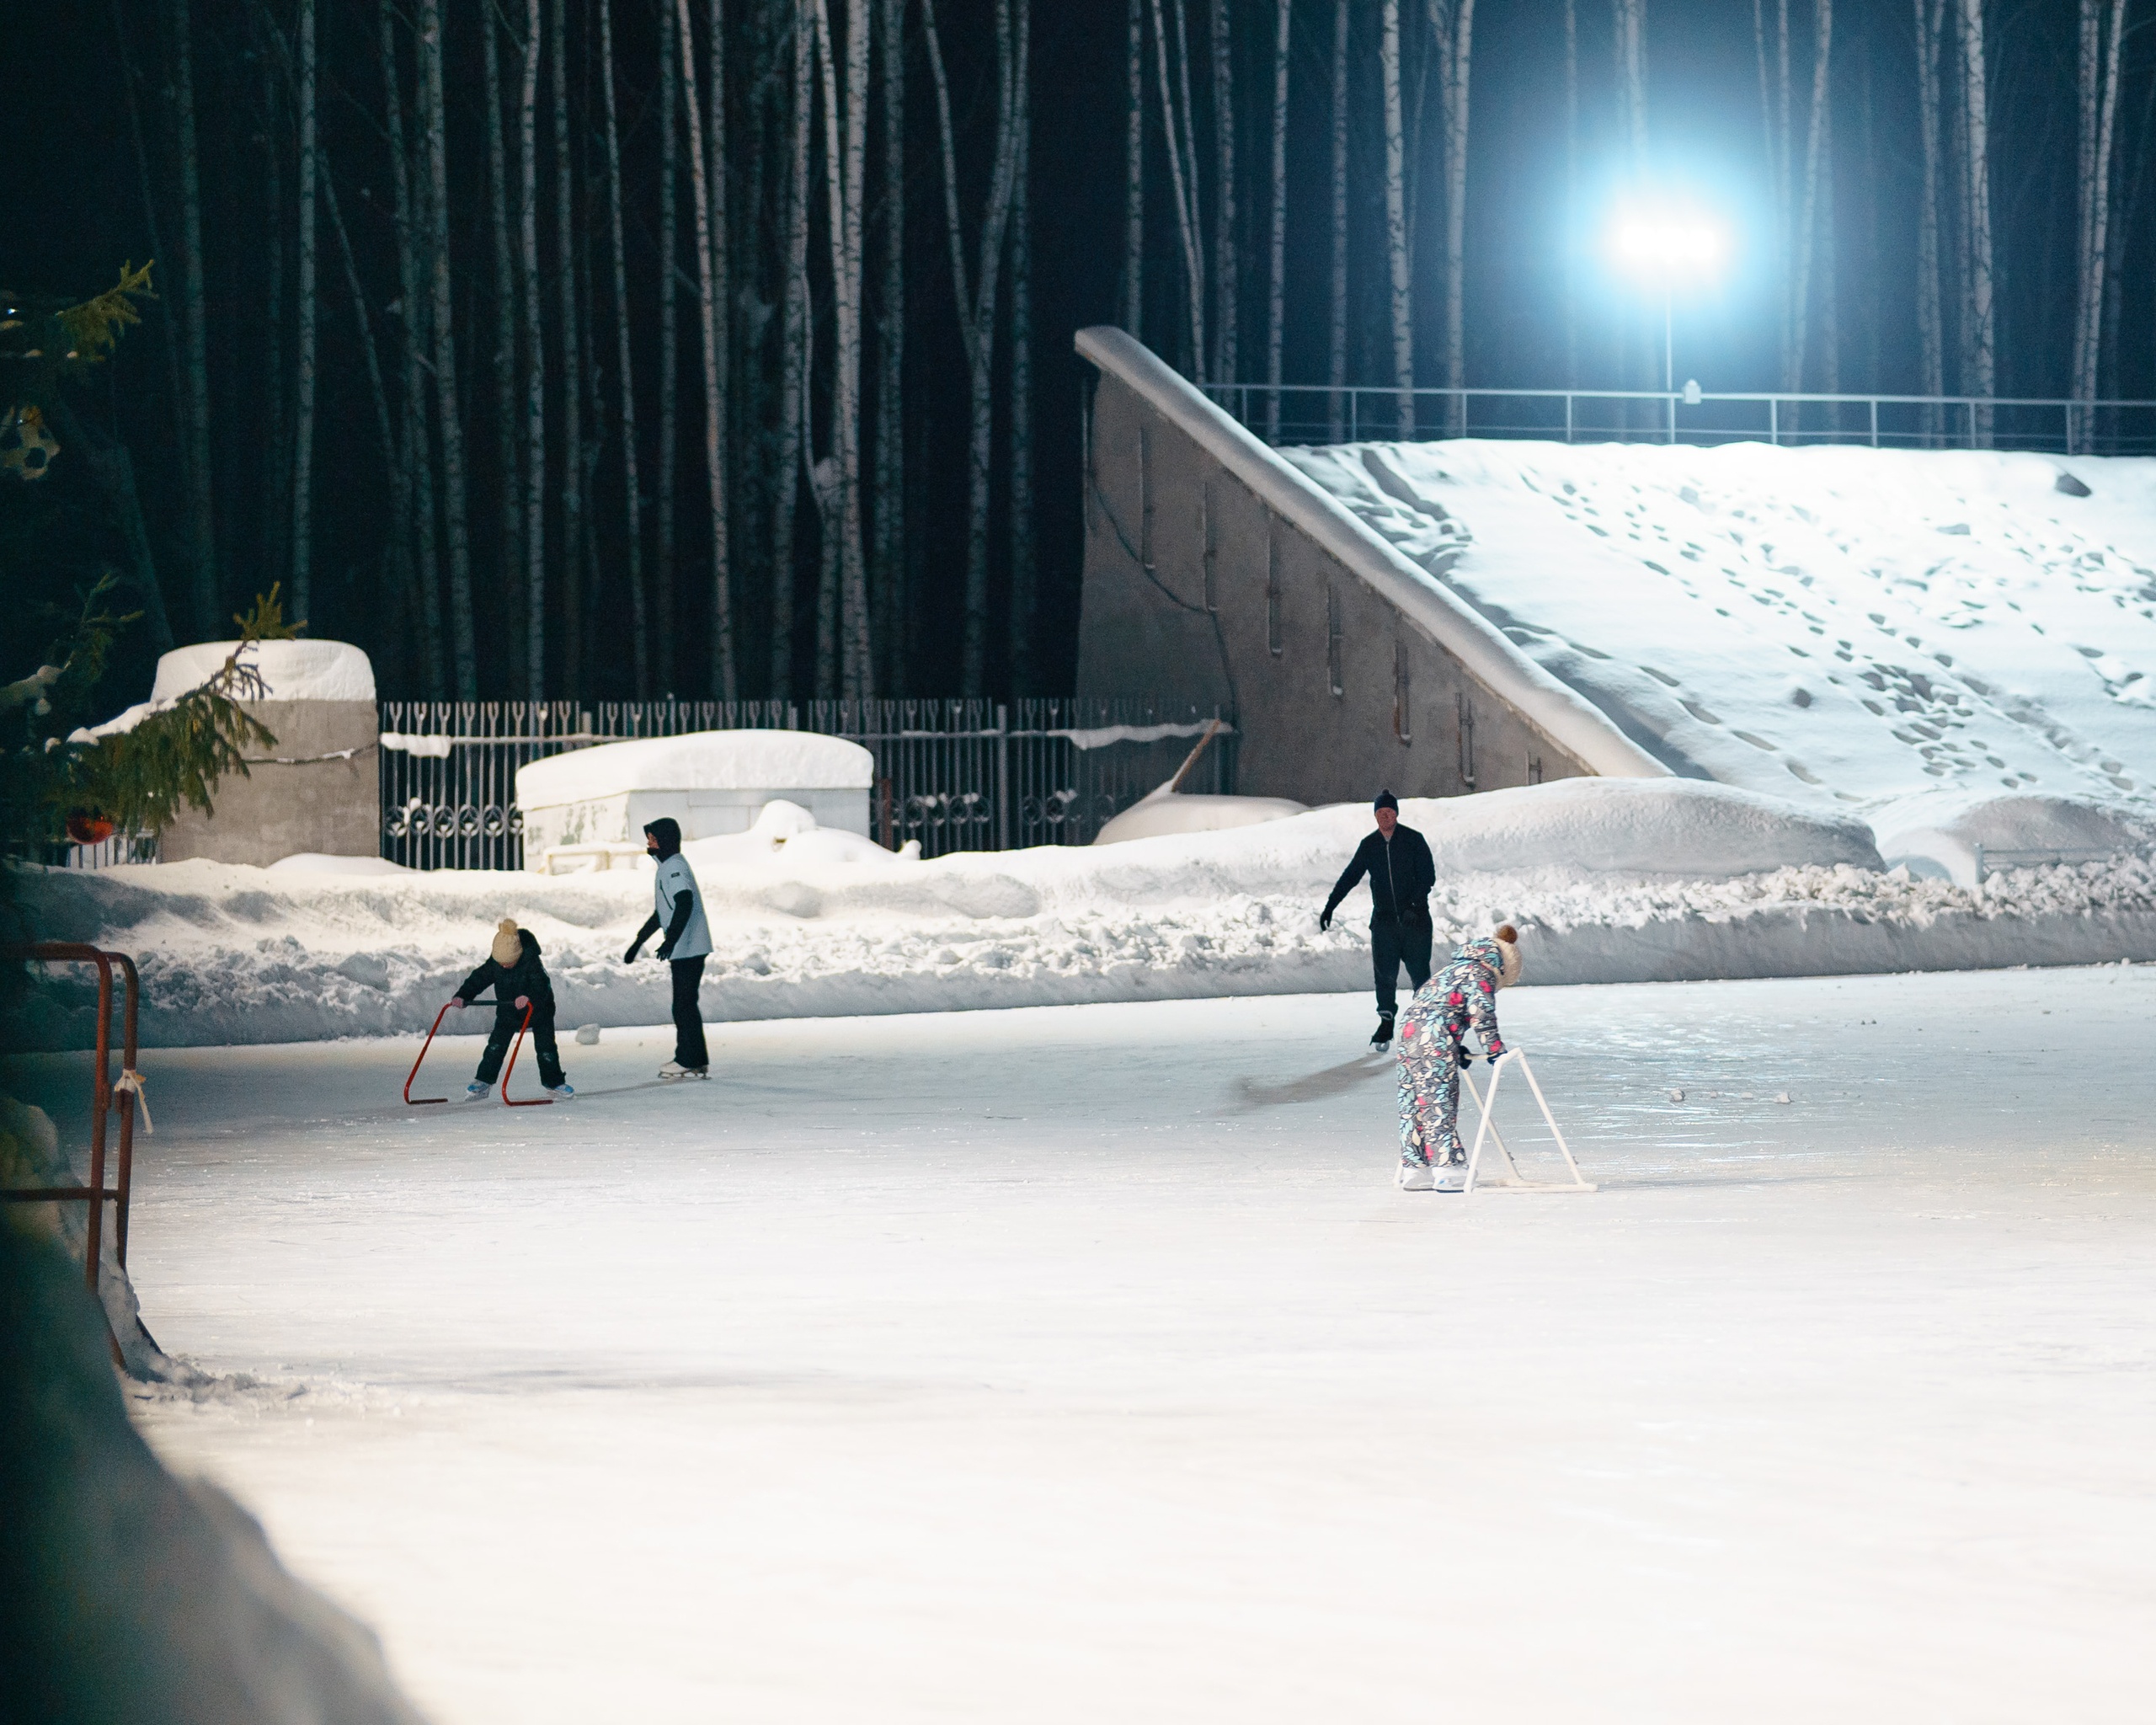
[293, 671]
[1685, 829]
[786, 837]
[1961, 840]
[1173, 812]
[702, 760]
[322, 862]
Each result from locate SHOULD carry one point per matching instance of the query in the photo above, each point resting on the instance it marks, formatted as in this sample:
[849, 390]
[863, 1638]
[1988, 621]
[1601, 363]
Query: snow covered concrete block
[318, 788]
[712, 782]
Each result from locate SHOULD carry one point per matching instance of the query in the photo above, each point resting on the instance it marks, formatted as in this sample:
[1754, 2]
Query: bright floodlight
[1668, 247]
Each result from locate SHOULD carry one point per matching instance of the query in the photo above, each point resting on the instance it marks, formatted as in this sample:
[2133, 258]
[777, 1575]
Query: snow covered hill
[1914, 636]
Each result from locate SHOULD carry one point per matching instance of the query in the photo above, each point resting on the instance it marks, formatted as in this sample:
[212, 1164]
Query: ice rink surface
[1082, 1363]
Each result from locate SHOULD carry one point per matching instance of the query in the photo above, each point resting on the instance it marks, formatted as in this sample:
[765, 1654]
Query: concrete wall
[333, 806]
[1215, 572]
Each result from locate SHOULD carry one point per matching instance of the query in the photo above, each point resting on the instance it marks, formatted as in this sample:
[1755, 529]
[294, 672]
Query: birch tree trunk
[201, 536]
[842, 613]
[1021, 359]
[417, 443]
[1456, 35]
[889, 518]
[2102, 53]
[723, 681]
[1930, 331]
[976, 309]
[571, 483]
[1133, 177]
[633, 548]
[1227, 286]
[535, 365]
[722, 295]
[1807, 220]
[273, 516]
[1629, 22]
[793, 378]
[670, 355]
[446, 403]
[397, 546]
[303, 357]
[1276, 296]
[1337, 345]
[1979, 341]
[1573, 190]
[505, 295]
[1395, 218]
[1184, 188]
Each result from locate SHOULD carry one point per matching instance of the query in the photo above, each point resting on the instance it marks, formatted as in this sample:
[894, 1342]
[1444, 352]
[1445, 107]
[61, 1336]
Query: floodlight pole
[1668, 360]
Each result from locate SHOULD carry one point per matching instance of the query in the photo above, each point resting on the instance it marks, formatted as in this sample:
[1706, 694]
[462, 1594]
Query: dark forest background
[1923, 195]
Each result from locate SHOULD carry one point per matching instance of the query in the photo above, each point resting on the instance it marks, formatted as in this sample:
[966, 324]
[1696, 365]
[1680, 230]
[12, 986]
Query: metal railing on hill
[954, 775]
[1315, 413]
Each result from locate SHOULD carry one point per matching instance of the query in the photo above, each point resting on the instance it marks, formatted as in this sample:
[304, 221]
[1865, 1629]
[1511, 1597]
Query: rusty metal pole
[127, 1058]
[100, 1105]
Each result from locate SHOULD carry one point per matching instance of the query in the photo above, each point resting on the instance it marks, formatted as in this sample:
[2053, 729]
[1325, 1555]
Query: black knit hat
[1385, 800]
[668, 832]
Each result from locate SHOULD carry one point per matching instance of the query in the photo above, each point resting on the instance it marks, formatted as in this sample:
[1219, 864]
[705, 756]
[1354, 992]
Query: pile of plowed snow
[1610, 880]
[1912, 635]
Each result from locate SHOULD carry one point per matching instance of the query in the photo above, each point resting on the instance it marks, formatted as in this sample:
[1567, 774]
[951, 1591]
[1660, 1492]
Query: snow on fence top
[701, 761]
[293, 671]
[1907, 633]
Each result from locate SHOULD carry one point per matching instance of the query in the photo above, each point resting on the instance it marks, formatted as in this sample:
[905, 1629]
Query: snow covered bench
[585, 803]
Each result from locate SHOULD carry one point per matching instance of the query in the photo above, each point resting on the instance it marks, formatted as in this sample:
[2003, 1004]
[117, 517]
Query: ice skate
[1382, 1038]
[475, 1089]
[1416, 1176]
[561, 1092]
[674, 1070]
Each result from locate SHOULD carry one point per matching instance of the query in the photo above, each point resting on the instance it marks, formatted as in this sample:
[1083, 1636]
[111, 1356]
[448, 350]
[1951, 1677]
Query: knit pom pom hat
[1507, 939]
[508, 947]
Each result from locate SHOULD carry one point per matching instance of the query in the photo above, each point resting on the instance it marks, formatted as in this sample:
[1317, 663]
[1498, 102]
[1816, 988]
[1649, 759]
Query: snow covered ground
[1908, 634]
[1080, 1364]
[1610, 880]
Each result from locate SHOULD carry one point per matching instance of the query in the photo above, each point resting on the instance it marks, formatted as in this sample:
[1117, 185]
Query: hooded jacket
[677, 908]
[527, 976]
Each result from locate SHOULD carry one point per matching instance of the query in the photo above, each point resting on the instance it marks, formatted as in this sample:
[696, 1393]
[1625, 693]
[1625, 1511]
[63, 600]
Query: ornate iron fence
[954, 775]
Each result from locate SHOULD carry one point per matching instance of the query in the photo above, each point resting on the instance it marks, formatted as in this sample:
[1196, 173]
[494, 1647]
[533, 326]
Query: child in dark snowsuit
[519, 980]
[1464, 994]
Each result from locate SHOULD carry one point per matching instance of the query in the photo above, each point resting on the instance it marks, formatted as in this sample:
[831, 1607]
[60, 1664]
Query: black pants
[689, 1049]
[1392, 945]
[507, 1016]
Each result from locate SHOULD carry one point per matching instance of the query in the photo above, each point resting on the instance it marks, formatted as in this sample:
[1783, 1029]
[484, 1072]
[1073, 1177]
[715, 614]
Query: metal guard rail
[97, 1194]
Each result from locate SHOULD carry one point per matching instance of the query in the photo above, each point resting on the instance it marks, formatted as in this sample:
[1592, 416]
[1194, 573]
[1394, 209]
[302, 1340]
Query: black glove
[630, 956]
[666, 949]
[1324, 921]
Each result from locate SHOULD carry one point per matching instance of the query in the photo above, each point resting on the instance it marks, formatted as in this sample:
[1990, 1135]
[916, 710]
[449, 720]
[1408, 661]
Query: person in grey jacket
[677, 910]
[1402, 875]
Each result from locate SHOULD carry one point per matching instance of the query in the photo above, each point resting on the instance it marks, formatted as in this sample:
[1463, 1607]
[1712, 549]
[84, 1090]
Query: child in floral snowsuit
[1462, 995]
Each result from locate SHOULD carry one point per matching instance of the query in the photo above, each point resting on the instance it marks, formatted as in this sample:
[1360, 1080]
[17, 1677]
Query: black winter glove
[666, 949]
[1324, 921]
[630, 956]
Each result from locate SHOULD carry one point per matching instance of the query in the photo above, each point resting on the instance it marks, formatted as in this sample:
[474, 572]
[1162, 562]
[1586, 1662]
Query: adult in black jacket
[1403, 874]
[514, 971]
